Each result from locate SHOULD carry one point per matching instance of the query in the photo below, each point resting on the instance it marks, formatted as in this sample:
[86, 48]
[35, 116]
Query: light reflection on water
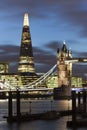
[36, 106]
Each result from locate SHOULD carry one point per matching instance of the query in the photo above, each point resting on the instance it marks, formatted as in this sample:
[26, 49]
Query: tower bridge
[65, 62]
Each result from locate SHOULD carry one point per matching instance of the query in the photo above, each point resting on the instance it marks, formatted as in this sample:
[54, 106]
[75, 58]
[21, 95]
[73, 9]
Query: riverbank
[49, 115]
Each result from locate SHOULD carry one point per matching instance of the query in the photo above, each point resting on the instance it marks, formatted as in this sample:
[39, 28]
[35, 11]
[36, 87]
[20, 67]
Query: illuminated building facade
[76, 82]
[52, 81]
[4, 67]
[26, 59]
[10, 80]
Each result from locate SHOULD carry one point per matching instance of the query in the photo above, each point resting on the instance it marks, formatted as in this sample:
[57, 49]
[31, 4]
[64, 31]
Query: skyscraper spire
[26, 21]
[26, 59]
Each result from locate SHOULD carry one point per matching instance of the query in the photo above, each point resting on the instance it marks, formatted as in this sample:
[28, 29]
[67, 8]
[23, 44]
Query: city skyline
[51, 22]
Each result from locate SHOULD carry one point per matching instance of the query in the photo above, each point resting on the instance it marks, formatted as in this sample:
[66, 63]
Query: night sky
[51, 22]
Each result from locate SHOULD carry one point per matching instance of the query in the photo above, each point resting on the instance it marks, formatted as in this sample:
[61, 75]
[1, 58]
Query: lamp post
[51, 104]
[30, 107]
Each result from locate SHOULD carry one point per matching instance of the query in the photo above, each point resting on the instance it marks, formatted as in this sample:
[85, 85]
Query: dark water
[35, 106]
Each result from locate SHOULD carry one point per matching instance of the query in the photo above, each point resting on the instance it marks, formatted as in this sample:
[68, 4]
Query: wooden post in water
[84, 101]
[18, 103]
[79, 99]
[73, 108]
[10, 105]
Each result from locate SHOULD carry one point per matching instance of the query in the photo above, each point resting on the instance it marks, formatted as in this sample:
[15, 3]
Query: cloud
[80, 54]
[45, 58]
[8, 52]
[54, 45]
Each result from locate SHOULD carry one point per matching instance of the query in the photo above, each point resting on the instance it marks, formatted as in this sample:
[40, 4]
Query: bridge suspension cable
[41, 79]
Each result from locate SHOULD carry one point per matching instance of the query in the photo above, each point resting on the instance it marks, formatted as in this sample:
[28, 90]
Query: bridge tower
[64, 66]
[26, 59]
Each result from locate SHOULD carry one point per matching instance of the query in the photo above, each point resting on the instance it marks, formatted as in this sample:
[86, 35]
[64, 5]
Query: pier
[79, 108]
[27, 116]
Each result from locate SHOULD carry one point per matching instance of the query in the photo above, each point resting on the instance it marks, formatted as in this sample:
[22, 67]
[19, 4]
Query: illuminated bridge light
[78, 89]
[75, 60]
[85, 60]
[71, 61]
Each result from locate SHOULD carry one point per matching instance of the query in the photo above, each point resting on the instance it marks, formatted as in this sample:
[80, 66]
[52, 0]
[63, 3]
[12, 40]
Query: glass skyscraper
[26, 59]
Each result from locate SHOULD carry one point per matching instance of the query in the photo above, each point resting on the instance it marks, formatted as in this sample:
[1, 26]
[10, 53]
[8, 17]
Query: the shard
[26, 59]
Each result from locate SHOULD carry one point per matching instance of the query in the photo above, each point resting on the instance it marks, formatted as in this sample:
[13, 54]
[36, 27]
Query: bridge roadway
[24, 90]
[27, 93]
[33, 93]
[76, 60]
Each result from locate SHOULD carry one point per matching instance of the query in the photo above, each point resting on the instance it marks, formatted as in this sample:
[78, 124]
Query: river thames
[37, 106]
